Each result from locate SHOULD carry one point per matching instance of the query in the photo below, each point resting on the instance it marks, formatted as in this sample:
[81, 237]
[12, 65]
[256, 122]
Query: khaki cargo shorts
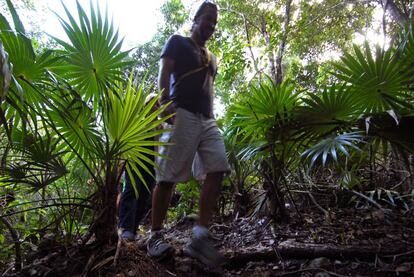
[196, 147]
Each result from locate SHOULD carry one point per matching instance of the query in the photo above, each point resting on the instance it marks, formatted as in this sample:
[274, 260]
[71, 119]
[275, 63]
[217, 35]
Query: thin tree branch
[248, 38]
[48, 206]
[18, 262]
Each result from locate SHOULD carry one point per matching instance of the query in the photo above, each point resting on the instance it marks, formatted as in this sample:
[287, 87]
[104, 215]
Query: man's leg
[213, 160]
[127, 209]
[156, 245]
[208, 197]
[145, 192]
[200, 247]
[160, 202]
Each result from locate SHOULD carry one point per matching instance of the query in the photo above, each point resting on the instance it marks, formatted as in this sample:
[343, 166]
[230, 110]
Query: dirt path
[344, 243]
[347, 242]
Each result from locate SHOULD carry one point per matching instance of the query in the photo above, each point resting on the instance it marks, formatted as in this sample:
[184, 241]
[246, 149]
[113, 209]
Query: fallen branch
[118, 250]
[330, 273]
[89, 265]
[298, 250]
[325, 212]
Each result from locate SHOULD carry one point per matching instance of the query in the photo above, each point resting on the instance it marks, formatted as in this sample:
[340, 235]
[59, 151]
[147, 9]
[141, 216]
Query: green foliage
[188, 203]
[70, 121]
[331, 110]
[93, 60]
[329, 146]
[375, 79]
[328, 25]
[265, 109]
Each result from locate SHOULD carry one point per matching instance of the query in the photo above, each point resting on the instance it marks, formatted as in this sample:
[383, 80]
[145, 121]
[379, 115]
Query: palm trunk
[105, 227]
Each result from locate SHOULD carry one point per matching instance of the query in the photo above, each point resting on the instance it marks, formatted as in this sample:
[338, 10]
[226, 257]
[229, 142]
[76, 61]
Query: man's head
[205, 20]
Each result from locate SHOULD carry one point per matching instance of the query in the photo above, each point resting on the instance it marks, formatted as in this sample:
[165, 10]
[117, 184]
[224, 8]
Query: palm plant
[265, 119]
[72, 106]
[372, 102]
[242, 168]
[382, 84]
[328, 123]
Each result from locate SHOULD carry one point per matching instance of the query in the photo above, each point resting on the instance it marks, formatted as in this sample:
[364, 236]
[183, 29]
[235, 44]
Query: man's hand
[169, 110]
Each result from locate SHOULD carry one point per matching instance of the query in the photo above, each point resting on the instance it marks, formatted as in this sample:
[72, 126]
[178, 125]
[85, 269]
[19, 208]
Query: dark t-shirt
[194, 92]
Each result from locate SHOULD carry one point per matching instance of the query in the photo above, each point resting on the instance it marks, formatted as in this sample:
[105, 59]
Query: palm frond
[94, 61]
[376, 80]
[333, 146]
[406, 52]
[5, 71]
[74, 122]
[132, 125]
[333, 110]
[398, 133]
[268, 105]
[35, 161]
[18, 25]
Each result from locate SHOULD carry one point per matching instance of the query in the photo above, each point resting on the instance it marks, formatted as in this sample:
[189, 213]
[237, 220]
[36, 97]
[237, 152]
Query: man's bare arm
[166, 68]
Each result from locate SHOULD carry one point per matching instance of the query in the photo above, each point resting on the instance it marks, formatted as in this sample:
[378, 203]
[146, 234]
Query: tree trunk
[282, 44]
[271, 54]
[276, 196]
[395, 12]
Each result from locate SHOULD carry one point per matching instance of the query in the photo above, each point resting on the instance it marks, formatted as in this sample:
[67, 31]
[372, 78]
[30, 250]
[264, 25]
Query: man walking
[186, 76]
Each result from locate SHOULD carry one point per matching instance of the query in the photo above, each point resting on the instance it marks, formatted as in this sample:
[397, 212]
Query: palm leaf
[5, 71]
[330, 146]
[406, 52]
[35, 160]
[398, 133]
[18, 25]
[131, 125]
[332, 110]
[4, 24]
[74, 122]
[93, 58]
[268, 105]
[376, 81]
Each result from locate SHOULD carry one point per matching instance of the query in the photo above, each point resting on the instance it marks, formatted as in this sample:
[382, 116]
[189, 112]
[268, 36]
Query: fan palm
[265, 108]
[77, 106]
[333, 109]
[93, 60]
[406, 52]
[327, 123]
[265, 118]
[376, 80]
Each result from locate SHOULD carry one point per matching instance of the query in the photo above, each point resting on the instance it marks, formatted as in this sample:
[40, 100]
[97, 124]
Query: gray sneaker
[127, 235]
[157, 248]
[202, 249]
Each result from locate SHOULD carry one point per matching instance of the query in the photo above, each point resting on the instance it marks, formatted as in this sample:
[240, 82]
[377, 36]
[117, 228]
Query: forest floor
[343, 242]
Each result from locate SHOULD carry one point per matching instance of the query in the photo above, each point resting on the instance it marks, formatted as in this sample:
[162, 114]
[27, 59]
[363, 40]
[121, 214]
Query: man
[133, 207]
[186, 77]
